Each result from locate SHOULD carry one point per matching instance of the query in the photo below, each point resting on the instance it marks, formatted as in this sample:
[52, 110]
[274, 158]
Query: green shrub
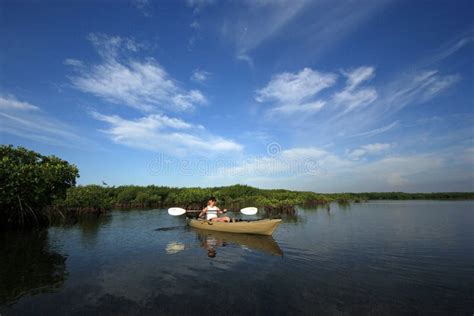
[29, 183]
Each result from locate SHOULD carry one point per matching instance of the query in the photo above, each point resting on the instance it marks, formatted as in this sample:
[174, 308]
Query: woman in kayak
[211, 211]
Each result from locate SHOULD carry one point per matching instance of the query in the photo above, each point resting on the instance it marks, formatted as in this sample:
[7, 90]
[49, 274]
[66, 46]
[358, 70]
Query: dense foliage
[233, 197]
[29, 183]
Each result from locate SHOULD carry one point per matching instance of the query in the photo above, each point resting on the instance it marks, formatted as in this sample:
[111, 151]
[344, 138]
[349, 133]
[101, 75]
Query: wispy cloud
[298, 94]
[198, 5]
[200, 75]
[279, 163]
[73, 62]
[324, 171]
[109, 47]
[422, 83]
[161, 133]
[449, 49]
[144, 6]
[377, 131]
[257, 22]
[302, 23]
[295, 92]
[9, 102]
[141, 84]
[416, 88]
[369, 149]
[353, 97]
[26, 120]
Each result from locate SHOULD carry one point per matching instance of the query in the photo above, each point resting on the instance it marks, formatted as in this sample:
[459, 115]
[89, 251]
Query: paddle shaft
[176, 211]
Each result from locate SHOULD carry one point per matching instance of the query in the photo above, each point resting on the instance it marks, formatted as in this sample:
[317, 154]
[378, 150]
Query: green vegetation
[233, 197]
[36, 189]
[29, 183]
[99, 198]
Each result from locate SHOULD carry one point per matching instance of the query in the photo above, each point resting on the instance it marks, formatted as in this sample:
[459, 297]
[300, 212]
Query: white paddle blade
[249, 211]
[176, 211]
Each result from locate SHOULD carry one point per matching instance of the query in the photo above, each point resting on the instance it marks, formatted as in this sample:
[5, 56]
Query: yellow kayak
[260, 227]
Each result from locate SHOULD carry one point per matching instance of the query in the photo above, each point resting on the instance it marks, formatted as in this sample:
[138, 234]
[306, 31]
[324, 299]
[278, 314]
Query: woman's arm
[204, 211]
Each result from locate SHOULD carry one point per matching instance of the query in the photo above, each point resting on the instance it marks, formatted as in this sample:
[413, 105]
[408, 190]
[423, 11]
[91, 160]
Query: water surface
[390, 257]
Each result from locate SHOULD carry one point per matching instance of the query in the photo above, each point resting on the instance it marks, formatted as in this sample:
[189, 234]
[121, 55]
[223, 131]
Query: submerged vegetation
[36, 189]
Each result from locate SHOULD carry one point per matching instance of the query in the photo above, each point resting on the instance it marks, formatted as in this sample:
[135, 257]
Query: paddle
[249, 211]
[177, 211]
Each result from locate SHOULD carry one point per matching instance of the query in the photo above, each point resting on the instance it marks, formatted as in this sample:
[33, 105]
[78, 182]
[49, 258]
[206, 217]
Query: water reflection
[211, 241]
[90, 226]
[287, 217]
[344, 205]
[28, 265]
[402, 257]
[174, 247]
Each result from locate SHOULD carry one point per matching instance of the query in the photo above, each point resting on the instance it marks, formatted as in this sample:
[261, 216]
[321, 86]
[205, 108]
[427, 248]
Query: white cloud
[416, 88]
[161, 133]
[450, 48]
[294, 92]
[310, 107]
[246, 58]
[73, 62]
[11, 103]
[109, 46]
[352, 100]
[441, 84]
[376, 148]
[295, 87]
[377, 131]
[141, 84]
[357, 76]
[352, 97]
[200, 75]
[369, 149]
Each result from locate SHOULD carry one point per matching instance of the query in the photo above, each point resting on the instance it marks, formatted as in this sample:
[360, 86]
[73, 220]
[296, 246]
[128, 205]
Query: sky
[323, 95]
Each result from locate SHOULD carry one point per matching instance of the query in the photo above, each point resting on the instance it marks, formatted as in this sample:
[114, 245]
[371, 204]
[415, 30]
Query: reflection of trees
[344, 205]
[287, 217]
[90, 226]
[28, 266]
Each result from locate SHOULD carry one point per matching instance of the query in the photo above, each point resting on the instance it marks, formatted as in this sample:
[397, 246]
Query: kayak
[259, 227]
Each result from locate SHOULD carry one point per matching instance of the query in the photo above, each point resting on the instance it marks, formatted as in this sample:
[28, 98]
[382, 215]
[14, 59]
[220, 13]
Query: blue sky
[327, 96]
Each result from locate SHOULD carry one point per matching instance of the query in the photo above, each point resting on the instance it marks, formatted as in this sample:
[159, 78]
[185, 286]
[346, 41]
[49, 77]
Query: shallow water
[390, 257]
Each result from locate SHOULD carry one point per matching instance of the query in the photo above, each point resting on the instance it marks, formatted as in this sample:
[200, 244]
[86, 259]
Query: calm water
[410, 257]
